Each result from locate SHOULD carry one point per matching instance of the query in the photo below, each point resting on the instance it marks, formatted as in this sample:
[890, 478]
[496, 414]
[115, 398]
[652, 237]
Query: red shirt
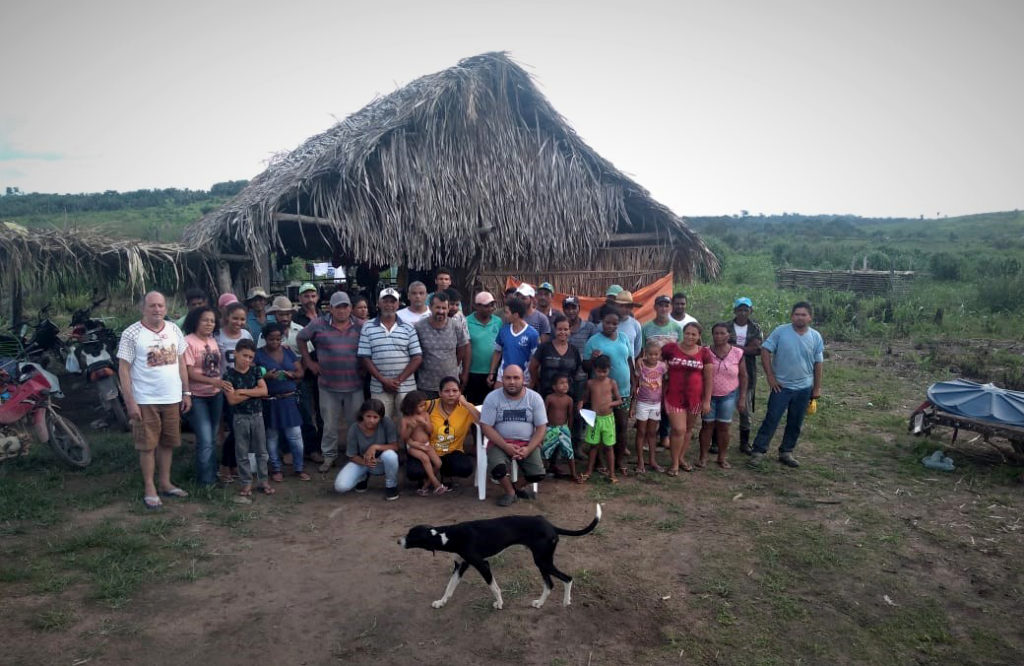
[685, 386]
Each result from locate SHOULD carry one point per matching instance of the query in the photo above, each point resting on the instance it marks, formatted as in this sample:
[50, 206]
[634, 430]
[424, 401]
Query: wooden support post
[224, 277]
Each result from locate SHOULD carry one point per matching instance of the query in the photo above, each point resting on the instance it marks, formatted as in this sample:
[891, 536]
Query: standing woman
[232, 331]
[554, 357]
[687, 391]
[729, 382]
[205, 366]
[282, 418]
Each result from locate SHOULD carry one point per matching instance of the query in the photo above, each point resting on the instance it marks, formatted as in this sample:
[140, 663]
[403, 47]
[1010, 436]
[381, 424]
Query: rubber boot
[745, 442]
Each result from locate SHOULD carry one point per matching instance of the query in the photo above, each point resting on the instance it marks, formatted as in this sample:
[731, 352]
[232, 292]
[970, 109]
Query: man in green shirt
[483, 329]
[662, 329]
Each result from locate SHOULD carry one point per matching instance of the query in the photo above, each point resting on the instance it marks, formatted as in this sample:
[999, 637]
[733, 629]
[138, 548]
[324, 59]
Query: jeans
[204, 417]
[333, 406]
[250, 437]
[787, 400]
[750, 398]
[352, 473]
[392, 403]
[294, 437]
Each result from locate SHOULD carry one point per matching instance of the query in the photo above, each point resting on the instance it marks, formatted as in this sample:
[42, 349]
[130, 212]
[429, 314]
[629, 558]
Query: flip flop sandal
[686, 467]
[423, 492]
[277, 477]
[672, 472]
[700, 465]
[173, 492]
[657, 468]
[246, 491]
[267, 490]
[724, 464]
[441, 489]
[582, 478]
[612, 480]
[303, 476]
[152, 503]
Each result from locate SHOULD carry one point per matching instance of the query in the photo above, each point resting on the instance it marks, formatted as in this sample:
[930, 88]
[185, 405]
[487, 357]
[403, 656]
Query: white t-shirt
[741, 334]
[227, 346]
[410, 317]
[687, 318]
[153, 356]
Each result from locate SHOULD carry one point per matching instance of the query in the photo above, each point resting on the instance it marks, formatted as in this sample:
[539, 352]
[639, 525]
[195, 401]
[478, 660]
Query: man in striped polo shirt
[390, 352]
[335, 336]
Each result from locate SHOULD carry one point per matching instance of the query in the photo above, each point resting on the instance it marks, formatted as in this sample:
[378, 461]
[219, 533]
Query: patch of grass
[53, 619]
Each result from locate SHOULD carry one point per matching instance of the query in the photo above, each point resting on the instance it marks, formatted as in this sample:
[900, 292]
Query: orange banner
[645, 296]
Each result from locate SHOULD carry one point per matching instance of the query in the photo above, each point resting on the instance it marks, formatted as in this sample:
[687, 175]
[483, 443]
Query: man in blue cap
[746, 334]
[598, 313]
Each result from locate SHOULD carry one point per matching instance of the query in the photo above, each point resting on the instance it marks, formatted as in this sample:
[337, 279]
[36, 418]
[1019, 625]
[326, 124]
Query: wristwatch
[186, 394]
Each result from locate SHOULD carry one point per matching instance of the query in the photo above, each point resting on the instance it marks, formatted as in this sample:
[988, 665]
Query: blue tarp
[986, 402]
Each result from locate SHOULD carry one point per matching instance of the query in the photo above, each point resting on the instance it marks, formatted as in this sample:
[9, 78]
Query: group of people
[545, 386]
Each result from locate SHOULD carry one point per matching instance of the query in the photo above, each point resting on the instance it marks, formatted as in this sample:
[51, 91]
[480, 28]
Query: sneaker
[526, 493]
[755, 460]
[390, 494]
[507, 500]
[361, 486]
[788, 460]
[326, 465]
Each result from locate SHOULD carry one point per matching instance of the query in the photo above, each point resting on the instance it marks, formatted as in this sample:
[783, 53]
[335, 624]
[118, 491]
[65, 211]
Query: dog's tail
[586, 530]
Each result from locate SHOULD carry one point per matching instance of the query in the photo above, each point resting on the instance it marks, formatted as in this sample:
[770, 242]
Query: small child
[646, 408]
[603, 394]
[247, 417]
[416, 432]
[558, 438]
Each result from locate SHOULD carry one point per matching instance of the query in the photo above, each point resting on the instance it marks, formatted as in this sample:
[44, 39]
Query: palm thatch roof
[71, 258]
[470, 166]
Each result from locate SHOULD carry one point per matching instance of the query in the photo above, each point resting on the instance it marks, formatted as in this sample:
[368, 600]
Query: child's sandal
[246, 491]
[267, 489]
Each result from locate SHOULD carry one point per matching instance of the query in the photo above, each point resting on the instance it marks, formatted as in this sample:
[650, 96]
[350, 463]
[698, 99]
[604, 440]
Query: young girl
[416, 432]
[646, 407]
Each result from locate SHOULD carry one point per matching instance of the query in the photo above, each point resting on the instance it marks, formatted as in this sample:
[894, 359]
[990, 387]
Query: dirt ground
[860, 556]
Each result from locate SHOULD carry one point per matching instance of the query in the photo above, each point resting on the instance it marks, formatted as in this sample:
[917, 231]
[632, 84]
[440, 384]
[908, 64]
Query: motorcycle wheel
[120, 415]
[66, 441]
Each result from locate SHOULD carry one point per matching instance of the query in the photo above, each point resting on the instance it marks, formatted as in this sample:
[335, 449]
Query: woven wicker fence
[861, 282]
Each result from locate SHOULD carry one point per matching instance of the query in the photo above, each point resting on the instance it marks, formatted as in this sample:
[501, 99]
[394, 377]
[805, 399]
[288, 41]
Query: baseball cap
[662, 299]
[340, 298]
[526, 290]
[307, 286]
[613, 290]
[625, 298]
[546, 285]
[484, 298]
[570, 300]
[281, 304]
[388, 291]
[256, 292]
[742, 300]
[226, 299]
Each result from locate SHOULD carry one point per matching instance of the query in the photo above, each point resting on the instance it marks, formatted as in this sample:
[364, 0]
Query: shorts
[557, 439]
[672, 409]
[602, 432]
[648, 411]
[532, 467]
[722, 407]
[160, 426]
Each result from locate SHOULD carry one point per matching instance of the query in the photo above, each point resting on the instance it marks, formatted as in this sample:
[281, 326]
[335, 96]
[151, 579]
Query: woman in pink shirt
[728, 382]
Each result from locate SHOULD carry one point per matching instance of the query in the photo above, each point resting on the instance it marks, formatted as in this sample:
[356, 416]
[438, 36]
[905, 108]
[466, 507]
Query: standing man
[514, 420]
[154, 383]
[598, 313]
[390, 352]
[257, 317]
[308, 298]
[445, 347]
[792, 357]
[679, 315]
[628, 325]
[283, 312]
[443, 282]
[746, 334]
[544, 293]
[528, 295]
[335, 338]
[417, 309]
[483, 330]
[195, 298]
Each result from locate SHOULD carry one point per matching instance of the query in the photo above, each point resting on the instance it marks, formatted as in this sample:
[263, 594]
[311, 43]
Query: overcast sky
[887, 108]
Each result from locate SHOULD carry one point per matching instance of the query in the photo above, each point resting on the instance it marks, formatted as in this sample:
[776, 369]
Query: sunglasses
[447, 427]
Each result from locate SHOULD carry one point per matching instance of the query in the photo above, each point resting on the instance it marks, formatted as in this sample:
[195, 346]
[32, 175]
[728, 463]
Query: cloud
[9, 153]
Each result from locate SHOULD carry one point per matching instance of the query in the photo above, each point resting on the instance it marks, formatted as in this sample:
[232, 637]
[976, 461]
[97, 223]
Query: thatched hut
[471, 168]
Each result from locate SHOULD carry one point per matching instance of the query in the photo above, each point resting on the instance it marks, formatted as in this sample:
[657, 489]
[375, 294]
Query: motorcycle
[93, 354]
[27, 412]
[44, 341]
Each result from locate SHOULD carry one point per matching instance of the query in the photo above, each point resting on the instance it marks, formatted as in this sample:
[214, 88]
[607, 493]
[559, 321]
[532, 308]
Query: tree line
[17, 204]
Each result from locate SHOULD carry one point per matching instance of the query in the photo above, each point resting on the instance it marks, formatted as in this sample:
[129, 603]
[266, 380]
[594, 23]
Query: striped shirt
[390, 351]
[336, 353]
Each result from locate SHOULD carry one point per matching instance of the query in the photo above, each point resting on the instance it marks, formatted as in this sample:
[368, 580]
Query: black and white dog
[474, 541]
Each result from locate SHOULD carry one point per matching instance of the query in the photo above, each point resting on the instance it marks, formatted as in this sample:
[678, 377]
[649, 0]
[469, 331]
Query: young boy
[558, 438]
[603, 394]
[250, 437]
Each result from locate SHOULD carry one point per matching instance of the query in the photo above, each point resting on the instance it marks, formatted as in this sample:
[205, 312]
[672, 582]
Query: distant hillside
[158, 215]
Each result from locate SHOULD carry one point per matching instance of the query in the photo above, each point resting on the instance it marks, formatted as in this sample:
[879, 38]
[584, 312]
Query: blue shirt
[516, 349]
[794, 356]
[618, 352]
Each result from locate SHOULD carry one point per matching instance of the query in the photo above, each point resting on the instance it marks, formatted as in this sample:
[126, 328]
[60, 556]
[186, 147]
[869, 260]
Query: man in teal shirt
[483, 329]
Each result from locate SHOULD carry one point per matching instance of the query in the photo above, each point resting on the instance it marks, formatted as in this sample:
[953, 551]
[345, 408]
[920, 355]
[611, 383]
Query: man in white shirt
[417, 310]
[154, 382]
[678, 313]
